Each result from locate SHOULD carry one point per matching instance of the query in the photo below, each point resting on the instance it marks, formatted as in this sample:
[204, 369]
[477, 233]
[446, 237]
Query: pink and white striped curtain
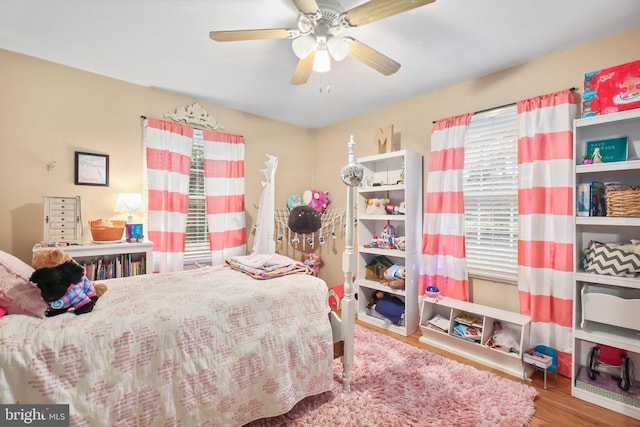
[167, 156]
[545, 198]
[224, 189]
[443, 241]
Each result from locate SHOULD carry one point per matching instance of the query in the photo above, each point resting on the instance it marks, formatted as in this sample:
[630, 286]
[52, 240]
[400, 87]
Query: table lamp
[129, 203]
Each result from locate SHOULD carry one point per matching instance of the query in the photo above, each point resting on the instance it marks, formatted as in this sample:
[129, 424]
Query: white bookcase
[114, 259]
[605, 307]
[396, 176]
[476, 350]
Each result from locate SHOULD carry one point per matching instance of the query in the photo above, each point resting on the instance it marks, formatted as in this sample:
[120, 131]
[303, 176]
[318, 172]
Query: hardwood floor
[554, 406]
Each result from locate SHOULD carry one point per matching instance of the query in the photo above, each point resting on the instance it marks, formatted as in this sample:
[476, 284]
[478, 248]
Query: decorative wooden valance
[194, 114]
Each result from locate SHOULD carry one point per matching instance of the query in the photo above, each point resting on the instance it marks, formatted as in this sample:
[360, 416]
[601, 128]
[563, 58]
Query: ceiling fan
[318, 36]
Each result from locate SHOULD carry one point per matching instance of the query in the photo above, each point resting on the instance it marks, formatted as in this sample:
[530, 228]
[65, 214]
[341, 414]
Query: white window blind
[491, 195]
[197, 238]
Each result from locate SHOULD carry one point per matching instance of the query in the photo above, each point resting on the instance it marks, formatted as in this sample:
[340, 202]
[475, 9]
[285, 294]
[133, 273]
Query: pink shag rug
[397, 384]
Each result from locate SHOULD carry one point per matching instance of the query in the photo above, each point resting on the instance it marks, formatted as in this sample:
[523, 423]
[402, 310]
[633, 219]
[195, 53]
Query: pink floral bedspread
[203, 347]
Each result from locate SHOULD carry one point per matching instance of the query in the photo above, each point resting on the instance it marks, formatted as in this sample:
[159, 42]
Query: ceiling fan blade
[375, 10]
[303, 69]
[371, 57]
[306, 6]
[240, 35]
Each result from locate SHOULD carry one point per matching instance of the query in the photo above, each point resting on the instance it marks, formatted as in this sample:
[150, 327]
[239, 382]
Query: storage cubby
[396, 176]
[478, 350]
[606, 307]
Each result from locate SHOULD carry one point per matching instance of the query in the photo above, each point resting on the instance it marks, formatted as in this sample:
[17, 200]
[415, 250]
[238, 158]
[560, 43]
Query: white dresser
[62, 219]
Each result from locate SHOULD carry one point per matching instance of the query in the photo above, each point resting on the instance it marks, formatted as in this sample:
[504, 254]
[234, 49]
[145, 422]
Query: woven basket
[622, 200]
[106, 231]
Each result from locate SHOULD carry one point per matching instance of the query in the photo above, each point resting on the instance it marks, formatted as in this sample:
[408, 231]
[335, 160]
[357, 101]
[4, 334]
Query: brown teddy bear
[53, 257]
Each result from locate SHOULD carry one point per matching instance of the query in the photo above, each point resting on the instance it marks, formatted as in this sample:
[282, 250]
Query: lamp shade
[321, 62]
[303, 45]
[129, 203]
[338, 47]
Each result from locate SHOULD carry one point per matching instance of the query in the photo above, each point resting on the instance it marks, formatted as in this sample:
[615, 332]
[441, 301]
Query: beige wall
[49, 111]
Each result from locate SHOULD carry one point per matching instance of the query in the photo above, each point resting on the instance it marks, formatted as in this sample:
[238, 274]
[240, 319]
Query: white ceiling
[165, 44]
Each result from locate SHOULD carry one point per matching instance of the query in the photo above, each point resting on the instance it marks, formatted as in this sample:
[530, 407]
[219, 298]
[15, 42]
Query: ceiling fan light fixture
[303, 45]
[338, 47]
[322, 62]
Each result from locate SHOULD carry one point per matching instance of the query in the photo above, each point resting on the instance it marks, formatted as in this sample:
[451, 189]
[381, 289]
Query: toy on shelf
[377, 206]
[394, 277]
[385, 306]
[432, 292]
[604, 356]
[504, 338]
[387, 239]
[396, 209]
[596, 157]
[388, 233]
[375, 269]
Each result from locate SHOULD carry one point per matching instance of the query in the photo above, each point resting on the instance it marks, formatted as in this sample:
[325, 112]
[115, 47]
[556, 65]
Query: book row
[113, 267]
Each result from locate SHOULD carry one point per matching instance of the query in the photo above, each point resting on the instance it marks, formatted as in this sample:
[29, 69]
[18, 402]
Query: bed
[209, 346]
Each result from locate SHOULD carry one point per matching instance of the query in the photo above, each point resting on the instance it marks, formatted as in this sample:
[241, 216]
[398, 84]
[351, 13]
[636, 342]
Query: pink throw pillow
[17, 294]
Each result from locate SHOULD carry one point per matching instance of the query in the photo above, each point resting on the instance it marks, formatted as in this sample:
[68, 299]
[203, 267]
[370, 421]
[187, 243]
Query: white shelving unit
[91, 253]
[479, 351]
[606, 307]
[396, 176]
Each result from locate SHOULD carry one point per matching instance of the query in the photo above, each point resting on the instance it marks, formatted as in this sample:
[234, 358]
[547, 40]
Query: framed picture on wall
[92, 169]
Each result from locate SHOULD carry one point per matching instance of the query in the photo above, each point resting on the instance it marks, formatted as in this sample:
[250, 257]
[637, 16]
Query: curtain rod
[505, 105]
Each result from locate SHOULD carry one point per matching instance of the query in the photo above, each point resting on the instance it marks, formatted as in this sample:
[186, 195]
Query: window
[197, 239]
[491, 195]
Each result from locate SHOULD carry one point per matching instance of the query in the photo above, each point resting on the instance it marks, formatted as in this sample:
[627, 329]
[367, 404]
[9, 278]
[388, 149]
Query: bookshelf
[110, 260]
[605, 308]
[396, 176]
[444, 320]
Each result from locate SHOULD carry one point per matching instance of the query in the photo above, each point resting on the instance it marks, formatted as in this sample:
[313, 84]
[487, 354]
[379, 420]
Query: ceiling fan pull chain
[325, 84]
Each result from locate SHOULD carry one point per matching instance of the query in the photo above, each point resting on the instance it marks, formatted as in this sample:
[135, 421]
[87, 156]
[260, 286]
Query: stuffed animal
[64, 287]
[312, 261]
[304, 219]
[63, 284]
[318, 200]
[294, 201]
[376, 206]
[52, 257]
